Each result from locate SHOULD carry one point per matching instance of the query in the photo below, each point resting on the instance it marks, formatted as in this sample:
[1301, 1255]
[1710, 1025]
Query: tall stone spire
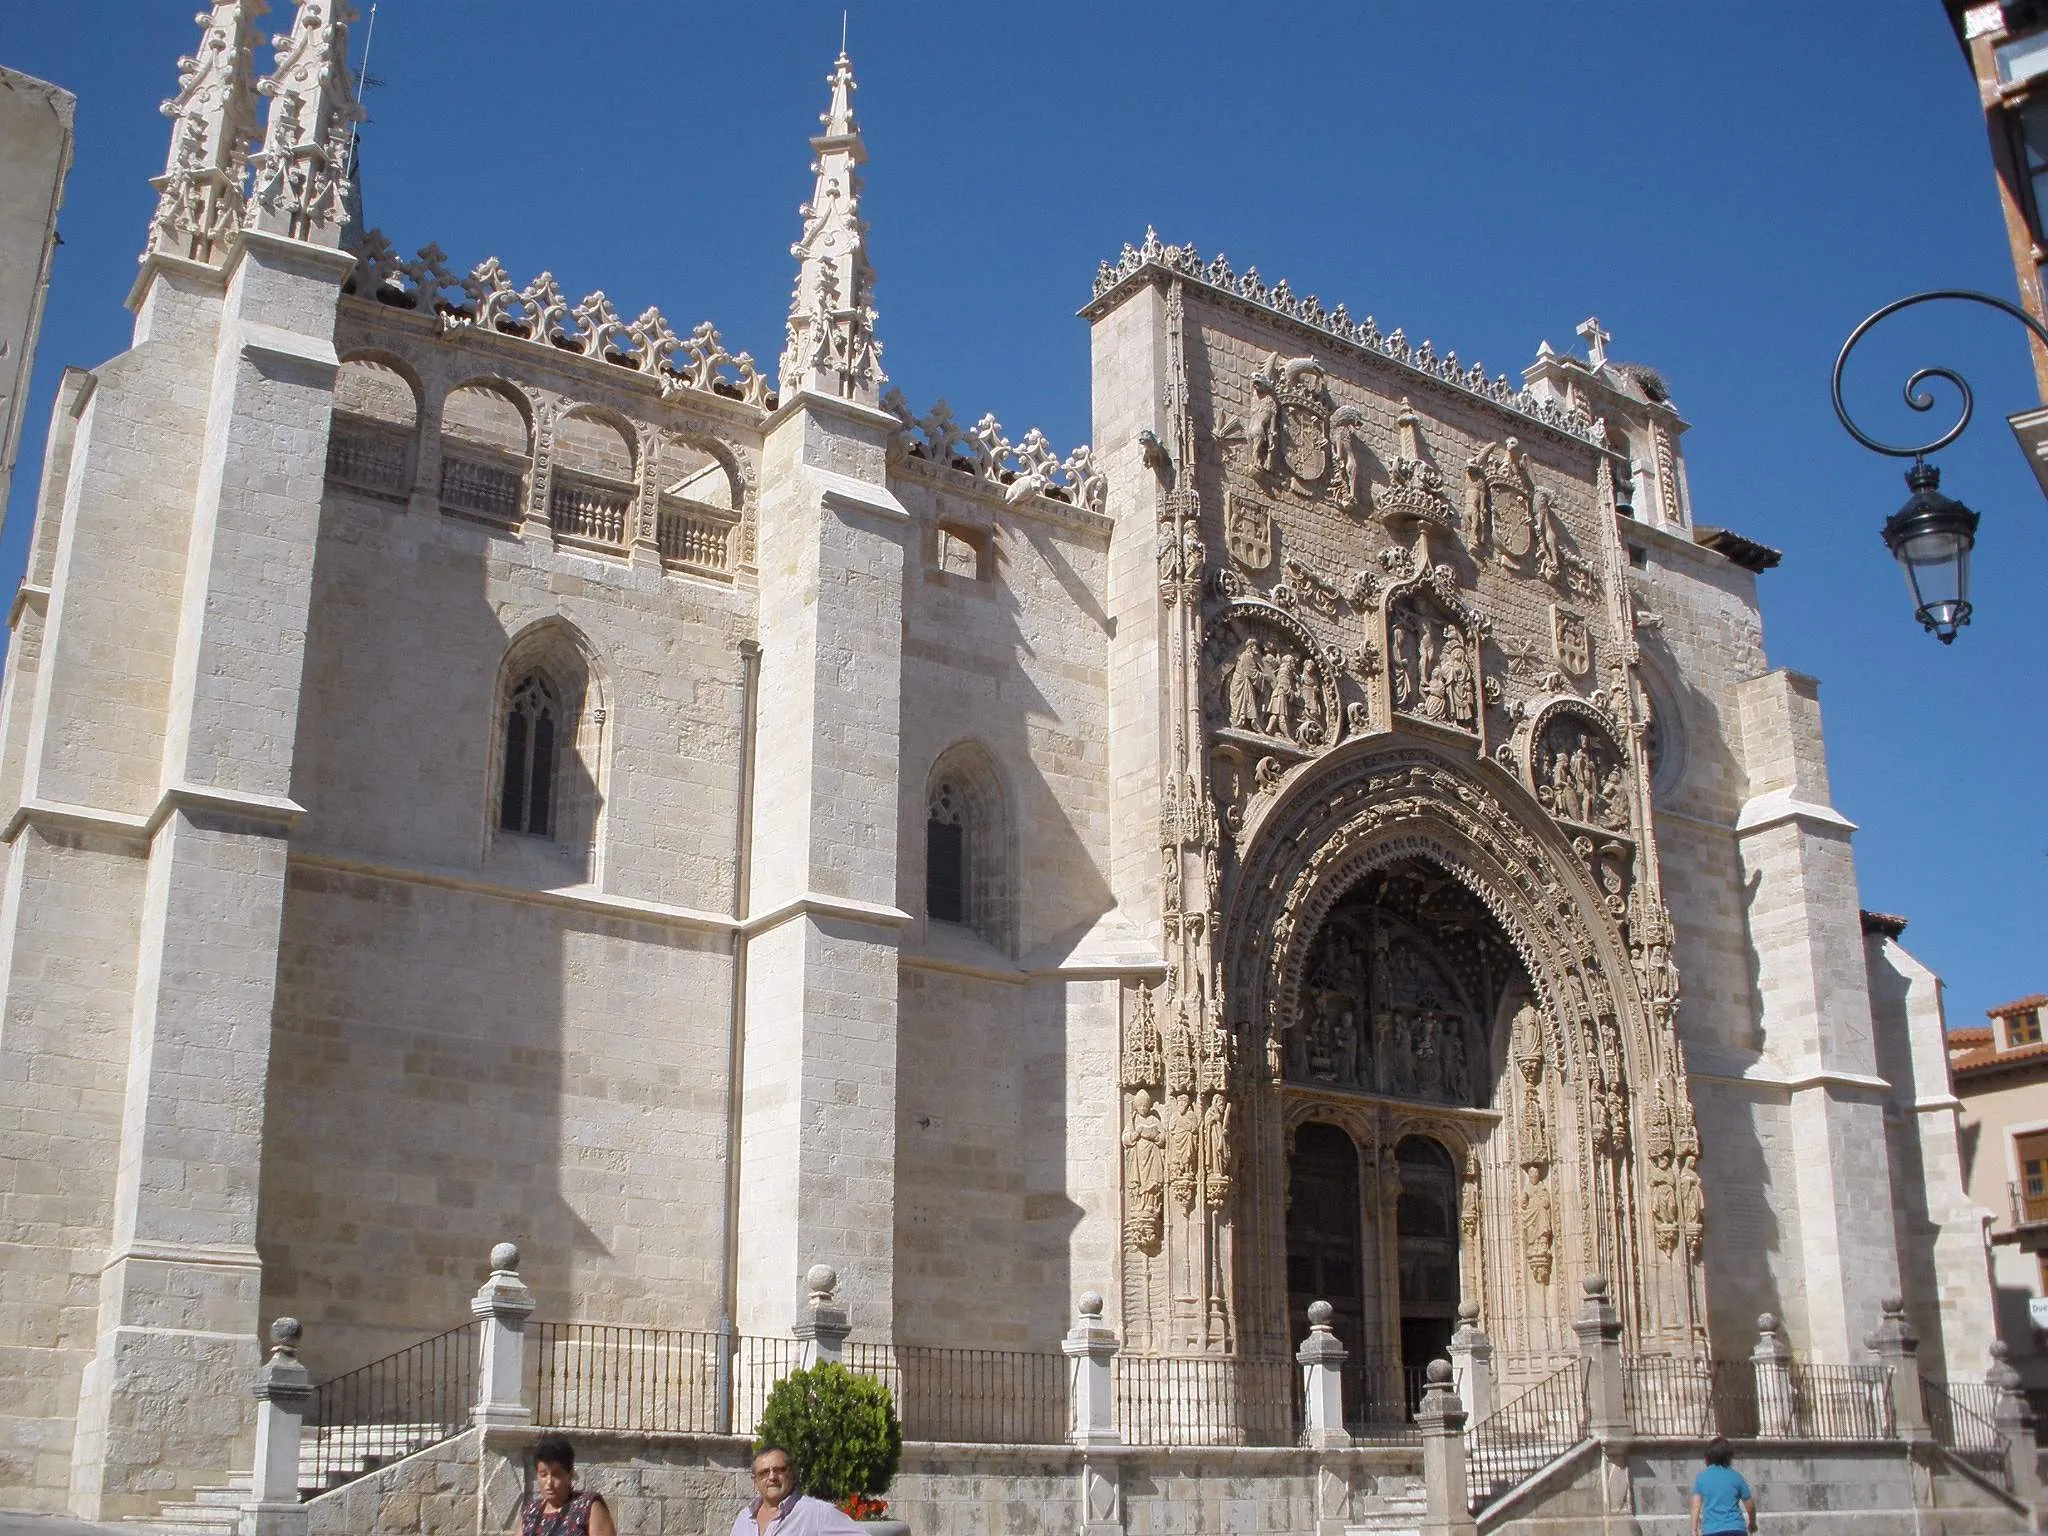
[832, 348]
[199, 195]
[301, 173]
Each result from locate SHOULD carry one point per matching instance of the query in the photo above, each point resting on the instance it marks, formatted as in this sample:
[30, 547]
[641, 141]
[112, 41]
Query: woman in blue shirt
[1722, 1504]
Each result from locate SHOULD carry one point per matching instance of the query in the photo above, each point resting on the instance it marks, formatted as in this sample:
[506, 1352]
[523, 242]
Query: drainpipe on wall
[736, 1040]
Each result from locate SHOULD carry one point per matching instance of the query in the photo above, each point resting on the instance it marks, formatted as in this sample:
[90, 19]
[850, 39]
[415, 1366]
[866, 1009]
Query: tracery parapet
[487, 299]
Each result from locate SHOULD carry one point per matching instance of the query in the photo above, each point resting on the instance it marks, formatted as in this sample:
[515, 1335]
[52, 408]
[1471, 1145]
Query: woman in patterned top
[556, 1508]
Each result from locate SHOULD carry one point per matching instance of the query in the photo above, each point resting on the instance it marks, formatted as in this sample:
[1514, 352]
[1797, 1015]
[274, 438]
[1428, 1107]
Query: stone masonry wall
[454, 1068]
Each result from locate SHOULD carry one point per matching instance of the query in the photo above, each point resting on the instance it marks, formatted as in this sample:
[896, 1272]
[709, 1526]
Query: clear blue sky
[1730, 187]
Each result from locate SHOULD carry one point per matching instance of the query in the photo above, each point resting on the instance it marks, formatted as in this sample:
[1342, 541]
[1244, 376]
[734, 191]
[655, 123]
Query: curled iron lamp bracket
[1916, 396]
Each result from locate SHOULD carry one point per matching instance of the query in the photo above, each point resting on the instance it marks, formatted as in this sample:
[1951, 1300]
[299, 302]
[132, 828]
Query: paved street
[22, 1522]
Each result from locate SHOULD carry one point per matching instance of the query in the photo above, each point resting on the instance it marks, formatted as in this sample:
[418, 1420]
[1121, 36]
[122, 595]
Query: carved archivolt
[1585, 1082]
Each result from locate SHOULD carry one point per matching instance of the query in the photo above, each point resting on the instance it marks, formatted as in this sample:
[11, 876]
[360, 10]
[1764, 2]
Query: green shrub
[840, 1427]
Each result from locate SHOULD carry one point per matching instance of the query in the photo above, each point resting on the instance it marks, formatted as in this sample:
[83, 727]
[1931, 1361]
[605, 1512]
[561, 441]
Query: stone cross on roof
[1596, 340]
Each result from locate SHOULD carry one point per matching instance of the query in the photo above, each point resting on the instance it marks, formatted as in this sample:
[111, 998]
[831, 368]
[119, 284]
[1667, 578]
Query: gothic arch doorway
[1416, 951]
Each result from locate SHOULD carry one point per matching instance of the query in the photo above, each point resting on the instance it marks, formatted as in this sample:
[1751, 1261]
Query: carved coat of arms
[1248, 531]
[1501, 498]
[1573, 639]
[1289, 433]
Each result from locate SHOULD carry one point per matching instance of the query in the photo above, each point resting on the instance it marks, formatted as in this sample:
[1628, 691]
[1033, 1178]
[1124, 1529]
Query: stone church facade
[476, 766]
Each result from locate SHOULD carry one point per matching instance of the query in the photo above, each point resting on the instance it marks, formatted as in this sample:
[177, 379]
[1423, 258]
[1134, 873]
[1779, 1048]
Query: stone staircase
[1395, 1508]
[328, 1458]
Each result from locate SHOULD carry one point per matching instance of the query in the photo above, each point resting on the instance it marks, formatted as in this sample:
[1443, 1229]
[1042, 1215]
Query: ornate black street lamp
[1931, 535]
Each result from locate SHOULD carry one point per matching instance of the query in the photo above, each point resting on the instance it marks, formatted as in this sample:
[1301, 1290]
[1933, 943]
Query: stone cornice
[814, 904]
[596, 903]
[27, 595]
[1140, 264]
[209, 1255]
[62, 816]
[1777, 806]
[283, 811]
[1797, 1082]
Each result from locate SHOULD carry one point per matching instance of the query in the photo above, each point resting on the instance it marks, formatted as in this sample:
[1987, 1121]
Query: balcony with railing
[482, 483]
[2029, 1205]
[695, 537]
[368, 455]
[586, 509]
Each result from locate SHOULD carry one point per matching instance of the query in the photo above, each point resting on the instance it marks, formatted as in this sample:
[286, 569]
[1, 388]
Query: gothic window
[533, 728]
[945, 867]
[967, 867]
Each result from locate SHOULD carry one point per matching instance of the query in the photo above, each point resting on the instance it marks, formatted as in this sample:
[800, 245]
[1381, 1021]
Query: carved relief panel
[1268, 678]
[1381, 1013]
[1433, 657]
[1578, 772]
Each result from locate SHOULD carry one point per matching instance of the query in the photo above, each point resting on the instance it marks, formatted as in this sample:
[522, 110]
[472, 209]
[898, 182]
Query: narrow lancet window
[945, 864]
[526, 802]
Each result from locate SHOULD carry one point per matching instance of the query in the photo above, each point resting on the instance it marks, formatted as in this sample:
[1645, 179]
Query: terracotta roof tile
[2019, 1005]
[1979, 1034]
[1890, 924]
[1984, 1061]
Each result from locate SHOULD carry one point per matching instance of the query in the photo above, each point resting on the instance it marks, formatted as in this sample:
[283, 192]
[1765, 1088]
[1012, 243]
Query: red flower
[859, 1506]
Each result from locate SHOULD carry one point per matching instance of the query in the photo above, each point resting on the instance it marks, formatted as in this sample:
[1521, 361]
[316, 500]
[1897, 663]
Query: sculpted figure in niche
[1539, 1222]
[1312, 728]
[1401, 647]
[1549, 550]
[1581, 778]
[1265, 435]
[1183, 1150]
[1243, 685]
[1456, 1086]
[1692, 1207]
[1664, 1197]
[1280, 697]
[1217, 1152]
[1451, 693]
[1145, 1170]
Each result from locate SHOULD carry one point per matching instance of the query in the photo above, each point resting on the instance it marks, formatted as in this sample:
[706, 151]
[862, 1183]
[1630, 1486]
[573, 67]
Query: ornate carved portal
[1414, 957]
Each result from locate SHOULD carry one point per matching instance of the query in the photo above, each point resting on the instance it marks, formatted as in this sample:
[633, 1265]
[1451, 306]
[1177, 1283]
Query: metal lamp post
[1932, 534]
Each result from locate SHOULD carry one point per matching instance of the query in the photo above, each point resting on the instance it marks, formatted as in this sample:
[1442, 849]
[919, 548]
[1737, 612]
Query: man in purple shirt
[778, 1508]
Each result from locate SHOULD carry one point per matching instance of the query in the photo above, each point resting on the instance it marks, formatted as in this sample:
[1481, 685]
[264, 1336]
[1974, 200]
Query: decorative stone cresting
[486, 299]
[1185, 261]
[1025, 468]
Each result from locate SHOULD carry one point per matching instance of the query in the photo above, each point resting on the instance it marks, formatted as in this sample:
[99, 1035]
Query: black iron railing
[1521, 1437]
[1381, 1395]
[389, 1408]
[1206, 1400]
[2029, 1205]
[1835, 1402]
[654, 1380]
[1963, 1418]
[1669, 1395]
[977, 1396]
